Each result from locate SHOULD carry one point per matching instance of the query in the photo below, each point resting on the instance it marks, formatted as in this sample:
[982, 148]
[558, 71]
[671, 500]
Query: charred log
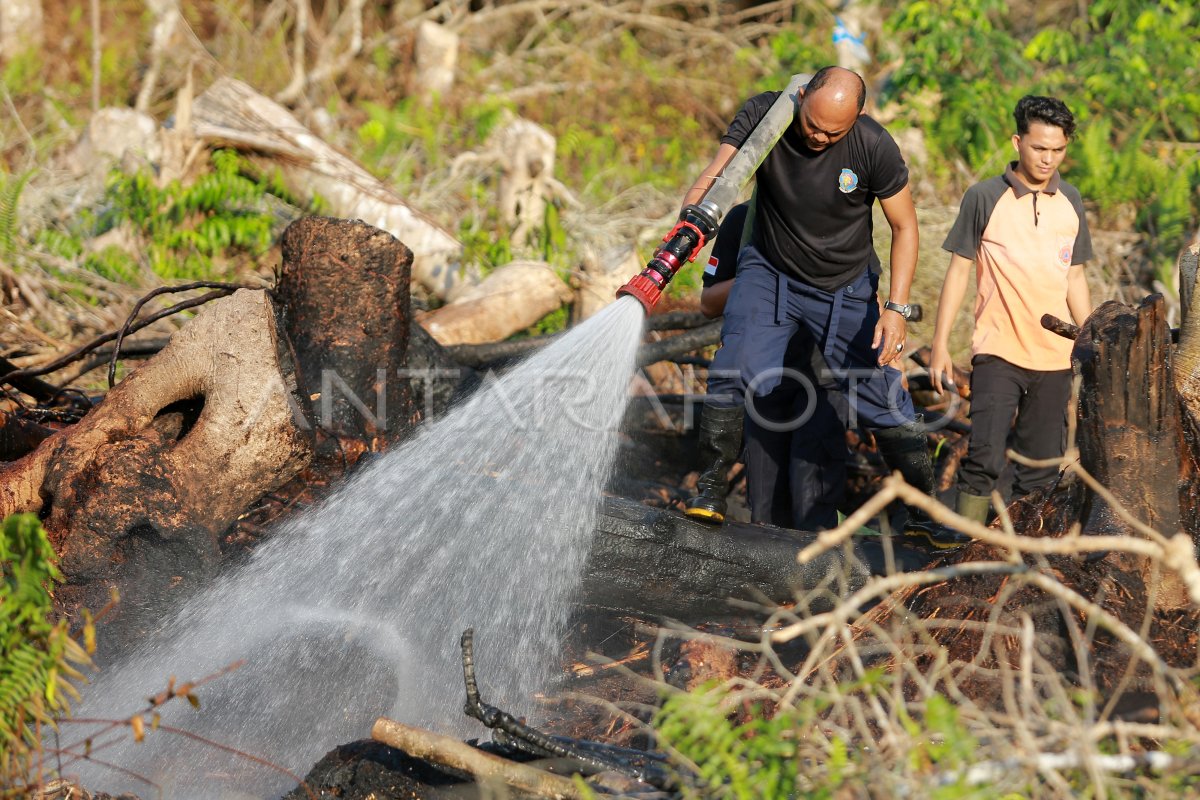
[677, 345]
[661, 564]
[36, 388]
[697, 336]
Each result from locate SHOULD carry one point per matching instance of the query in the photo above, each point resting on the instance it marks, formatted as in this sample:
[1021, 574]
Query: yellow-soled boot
[720, 444]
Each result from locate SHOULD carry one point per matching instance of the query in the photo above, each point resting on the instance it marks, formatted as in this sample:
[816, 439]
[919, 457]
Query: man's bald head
[831, 104]
[843, 85]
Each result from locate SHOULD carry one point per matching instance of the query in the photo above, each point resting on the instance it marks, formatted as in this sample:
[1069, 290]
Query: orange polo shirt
[1022, 241]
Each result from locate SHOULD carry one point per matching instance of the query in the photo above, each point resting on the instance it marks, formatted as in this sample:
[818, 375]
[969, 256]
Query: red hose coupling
[644, 289]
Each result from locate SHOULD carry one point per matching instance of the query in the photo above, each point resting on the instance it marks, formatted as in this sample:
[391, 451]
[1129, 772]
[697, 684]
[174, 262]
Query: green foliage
[1127, 69]
[747, 761]
[38, 657]
[24, 72]
[406, 141]
[554, 322]
[803, 46]
[484, 245]
[10, 198]
[773, 755]
[187, 230]
[953, 52]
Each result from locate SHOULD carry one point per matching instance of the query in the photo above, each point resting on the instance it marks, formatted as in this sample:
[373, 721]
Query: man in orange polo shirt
[1028, 236]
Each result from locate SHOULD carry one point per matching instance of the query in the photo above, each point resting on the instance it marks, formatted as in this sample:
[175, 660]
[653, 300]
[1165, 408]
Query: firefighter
[810, 265]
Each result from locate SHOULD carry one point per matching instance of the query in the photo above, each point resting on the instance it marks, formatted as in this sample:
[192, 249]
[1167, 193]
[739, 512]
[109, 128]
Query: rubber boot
[904, 450]
[720, 444]
[974, 507]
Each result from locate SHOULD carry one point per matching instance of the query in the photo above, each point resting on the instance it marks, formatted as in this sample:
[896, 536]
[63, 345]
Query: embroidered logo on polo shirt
[711, 269]
[1064, 251]
[847, 181]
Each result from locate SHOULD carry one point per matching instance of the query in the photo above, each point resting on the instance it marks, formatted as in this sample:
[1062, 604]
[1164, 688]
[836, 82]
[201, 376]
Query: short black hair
[1047, 110]
[822, 77]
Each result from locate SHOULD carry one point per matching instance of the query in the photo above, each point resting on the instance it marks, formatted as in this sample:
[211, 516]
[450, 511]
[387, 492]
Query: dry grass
[968, 707]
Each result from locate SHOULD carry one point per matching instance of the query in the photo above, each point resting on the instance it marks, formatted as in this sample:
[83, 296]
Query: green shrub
[1127, 69]
[191, 231]
[38, 657]
[745, 752]
[11, 187]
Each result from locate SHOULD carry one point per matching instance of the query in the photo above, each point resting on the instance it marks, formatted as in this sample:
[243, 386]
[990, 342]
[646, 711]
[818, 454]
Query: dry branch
[448, 752]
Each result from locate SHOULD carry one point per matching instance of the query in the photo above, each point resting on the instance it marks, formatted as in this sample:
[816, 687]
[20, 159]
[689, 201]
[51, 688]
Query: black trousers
[1038, 399]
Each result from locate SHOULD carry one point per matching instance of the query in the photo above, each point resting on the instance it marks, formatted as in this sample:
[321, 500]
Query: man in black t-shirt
[811, 267]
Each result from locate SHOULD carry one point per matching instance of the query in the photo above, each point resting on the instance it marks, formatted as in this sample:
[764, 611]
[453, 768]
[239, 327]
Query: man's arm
[1079, 297]
[713, 299]
[901, 215]
[725, 154]
[958, 274]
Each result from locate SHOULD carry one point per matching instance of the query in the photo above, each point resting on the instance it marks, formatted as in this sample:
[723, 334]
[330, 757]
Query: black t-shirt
[722, 259]
[813, 220]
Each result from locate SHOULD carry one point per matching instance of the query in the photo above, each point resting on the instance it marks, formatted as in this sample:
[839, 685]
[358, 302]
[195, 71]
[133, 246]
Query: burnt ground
[594, 700]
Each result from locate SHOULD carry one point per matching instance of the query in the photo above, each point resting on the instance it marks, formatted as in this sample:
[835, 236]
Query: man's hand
[941, 369]
[890, 334]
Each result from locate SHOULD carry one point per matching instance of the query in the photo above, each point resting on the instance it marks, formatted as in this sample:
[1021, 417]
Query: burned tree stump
[1129, 426]
[140, 492]
[1187, 388]
[137, 493]
[344, 291]
[1129, 415]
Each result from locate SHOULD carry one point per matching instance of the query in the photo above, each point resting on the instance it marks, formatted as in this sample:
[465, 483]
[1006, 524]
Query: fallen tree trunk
[652, 562]
[509, 300]
[494, 353]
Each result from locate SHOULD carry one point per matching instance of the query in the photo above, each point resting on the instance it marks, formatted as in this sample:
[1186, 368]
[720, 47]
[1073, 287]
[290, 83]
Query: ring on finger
[899, 346]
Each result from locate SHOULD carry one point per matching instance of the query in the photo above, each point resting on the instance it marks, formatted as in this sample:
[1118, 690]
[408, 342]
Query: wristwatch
[903, 309]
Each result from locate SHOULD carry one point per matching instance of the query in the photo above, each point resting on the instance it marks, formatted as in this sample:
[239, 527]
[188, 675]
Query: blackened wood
[962, 378]
[676, 320]
[653, 562]
[344, 286]
[1128, 414]
[666, 349]
[34, 387]
[1063, 328]
[1187, 387]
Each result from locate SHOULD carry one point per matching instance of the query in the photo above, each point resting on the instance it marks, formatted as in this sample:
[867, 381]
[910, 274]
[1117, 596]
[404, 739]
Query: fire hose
[698, 222]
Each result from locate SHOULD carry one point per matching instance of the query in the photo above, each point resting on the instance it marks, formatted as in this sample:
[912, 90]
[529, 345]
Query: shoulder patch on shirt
[711, 267]
[847, 181]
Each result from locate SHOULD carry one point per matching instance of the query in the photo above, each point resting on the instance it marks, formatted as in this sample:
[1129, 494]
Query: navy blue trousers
[801, 360]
